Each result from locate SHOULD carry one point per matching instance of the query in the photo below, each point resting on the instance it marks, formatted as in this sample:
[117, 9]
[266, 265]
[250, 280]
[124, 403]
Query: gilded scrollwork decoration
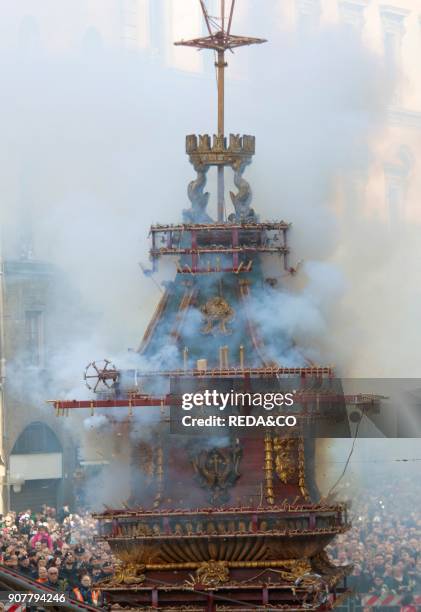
[217, 314]
[286, 459]
[210, 574]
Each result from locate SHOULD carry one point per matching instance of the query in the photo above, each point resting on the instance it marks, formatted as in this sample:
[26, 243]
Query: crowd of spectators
[57, 550]
[384, 544]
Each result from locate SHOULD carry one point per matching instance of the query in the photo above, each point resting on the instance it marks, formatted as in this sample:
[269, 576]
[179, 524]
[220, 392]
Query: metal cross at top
[220, 40]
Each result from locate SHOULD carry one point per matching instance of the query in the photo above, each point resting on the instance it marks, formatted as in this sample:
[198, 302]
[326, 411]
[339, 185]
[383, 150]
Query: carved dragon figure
[199, 199]
[242, 199]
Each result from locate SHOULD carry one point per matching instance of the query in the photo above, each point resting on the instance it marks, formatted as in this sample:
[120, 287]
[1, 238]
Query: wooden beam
[230, 17]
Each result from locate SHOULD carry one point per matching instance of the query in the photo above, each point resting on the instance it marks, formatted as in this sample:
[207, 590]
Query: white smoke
[295, 324]
[92, 154]
[90, 163]
[95, 422]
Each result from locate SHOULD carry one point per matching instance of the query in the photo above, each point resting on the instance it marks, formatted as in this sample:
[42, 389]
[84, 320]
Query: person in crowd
[407, 603]
[42, 537]
[63, 513]
[68, 571]
[400, 580]
[42, 574]
[85, 593]
[53, 578]
[11, 561]
[358, 581]
[97, 575]
[37, 546]
[56, 560]
[377, 586]
[9, 525]
[388, 579]
[95, 561]
[107, 570]
[415, 576]
[79, 552]
[24, 566]
[378, 566]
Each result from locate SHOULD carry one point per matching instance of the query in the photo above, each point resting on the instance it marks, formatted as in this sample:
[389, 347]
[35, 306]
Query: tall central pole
[219, 39]
[221, 108]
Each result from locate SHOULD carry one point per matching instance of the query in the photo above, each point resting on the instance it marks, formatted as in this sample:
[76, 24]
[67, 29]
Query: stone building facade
[38, 453]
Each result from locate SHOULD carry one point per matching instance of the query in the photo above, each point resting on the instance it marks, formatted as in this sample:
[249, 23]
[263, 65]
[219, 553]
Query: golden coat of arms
[217, 313]
[217, 470]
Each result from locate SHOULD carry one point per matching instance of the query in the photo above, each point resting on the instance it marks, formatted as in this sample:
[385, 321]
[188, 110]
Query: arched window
[37, 438]
[397, 173]
[352, 13]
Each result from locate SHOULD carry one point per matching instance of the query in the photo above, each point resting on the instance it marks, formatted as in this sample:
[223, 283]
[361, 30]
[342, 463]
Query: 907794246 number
[35, 598]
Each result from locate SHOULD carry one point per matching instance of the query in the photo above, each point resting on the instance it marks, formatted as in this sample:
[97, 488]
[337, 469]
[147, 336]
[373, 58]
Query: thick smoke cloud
[85, 136]
[92, 154]
[302, 318]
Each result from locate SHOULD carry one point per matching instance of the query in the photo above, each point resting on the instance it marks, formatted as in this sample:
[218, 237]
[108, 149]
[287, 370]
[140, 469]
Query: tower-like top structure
[231, 522]
[220, 40]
